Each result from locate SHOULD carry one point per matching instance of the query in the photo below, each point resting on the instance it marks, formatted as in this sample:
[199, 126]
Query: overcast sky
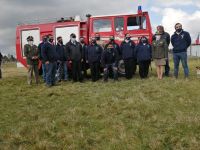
[165, 12]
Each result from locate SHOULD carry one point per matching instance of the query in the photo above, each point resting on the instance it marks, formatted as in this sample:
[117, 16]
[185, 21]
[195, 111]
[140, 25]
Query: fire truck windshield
[136, 22]
[119, 24]
[102, 25]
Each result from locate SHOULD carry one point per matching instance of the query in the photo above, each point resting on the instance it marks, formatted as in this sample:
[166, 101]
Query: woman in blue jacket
[143, 54]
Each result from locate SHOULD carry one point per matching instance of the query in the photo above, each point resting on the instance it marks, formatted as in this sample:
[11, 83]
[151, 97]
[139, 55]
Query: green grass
[125, 115]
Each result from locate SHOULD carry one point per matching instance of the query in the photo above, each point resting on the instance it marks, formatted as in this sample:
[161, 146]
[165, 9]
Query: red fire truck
[136, 25]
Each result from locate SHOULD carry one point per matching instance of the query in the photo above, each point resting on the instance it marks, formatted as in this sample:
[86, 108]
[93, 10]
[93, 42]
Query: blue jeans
[50, 73]
[44, 72]
[183, 58]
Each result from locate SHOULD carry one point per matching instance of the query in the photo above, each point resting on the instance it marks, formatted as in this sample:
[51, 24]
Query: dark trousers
[84, 69]
[76, 71]
[95, 71]
[51, 73]
[167, 68]
[107, 69]
[144, 68]
[130, 67]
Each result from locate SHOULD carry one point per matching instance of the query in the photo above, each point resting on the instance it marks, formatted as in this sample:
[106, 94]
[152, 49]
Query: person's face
[51, 39]
[30, 42]
[160, 29]
[178, 27]
[60, 40]
[128, 37]
[112, 38]
[93, 40]
[82, 40]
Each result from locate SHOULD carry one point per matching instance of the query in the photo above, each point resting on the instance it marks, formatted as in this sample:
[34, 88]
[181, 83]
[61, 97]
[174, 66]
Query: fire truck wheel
[121, 68]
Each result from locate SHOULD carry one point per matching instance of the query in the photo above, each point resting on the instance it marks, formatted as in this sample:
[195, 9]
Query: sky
[162, 12]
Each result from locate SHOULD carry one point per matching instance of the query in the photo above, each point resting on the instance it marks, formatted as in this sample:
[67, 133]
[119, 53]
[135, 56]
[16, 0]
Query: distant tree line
[8, 58]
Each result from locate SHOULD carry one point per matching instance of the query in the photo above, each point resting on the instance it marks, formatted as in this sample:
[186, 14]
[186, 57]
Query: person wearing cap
[32, 59]
[50, 58]
[74, 56]
[93, 57]
[1, 57]
[44, 40]
[143, 54]
[159, 53]
[62, 60]
[109, 61]
[127, 48]
[84, 64]
[180, 40]
[166, 36]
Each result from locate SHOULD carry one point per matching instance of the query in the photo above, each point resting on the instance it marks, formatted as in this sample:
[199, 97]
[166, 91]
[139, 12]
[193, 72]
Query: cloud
[190, 21]
[20, 11]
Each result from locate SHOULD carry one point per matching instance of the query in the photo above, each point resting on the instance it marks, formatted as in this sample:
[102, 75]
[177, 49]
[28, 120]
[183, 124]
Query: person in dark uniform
[44, 40]
[115, 45]
[143, 54]
[165, 36]
[31, 53]
[62, 60]
[93, 57]
[109, 61]
[74, 54]
[50, 58]
[84, 64]
[128, 55]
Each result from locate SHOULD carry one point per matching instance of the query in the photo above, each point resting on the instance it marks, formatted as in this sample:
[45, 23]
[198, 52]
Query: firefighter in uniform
[50, 58]
[93, 57]
[143, 54]
[128, 55]
[109, 61]
[44, 40]
[84, 64]
[74, 54]
[62, 60]
[32, 59]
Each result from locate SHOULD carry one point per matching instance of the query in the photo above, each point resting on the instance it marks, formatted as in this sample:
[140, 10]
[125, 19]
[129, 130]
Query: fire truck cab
[136, 25]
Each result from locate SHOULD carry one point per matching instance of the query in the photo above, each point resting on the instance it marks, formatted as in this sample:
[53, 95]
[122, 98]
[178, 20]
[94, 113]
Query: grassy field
[126, 115]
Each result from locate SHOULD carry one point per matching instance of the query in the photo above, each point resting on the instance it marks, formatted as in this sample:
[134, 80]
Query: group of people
[56, 58]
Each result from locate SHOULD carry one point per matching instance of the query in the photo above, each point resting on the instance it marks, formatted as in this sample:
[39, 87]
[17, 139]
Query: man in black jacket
[128, 55]
[180, 40]
[93, 57]
[74, 55]
[50, 58]
[109, 61]
[84, 64]
[44, 40]
[62, 60]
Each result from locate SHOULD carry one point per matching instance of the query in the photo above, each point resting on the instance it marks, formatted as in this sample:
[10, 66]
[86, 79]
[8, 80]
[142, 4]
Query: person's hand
[70, 61]
[47, 62]
[86, 61]
[105, 69]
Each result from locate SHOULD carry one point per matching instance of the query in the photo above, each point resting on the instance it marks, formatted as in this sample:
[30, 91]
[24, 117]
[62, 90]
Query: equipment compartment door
[65, 32]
